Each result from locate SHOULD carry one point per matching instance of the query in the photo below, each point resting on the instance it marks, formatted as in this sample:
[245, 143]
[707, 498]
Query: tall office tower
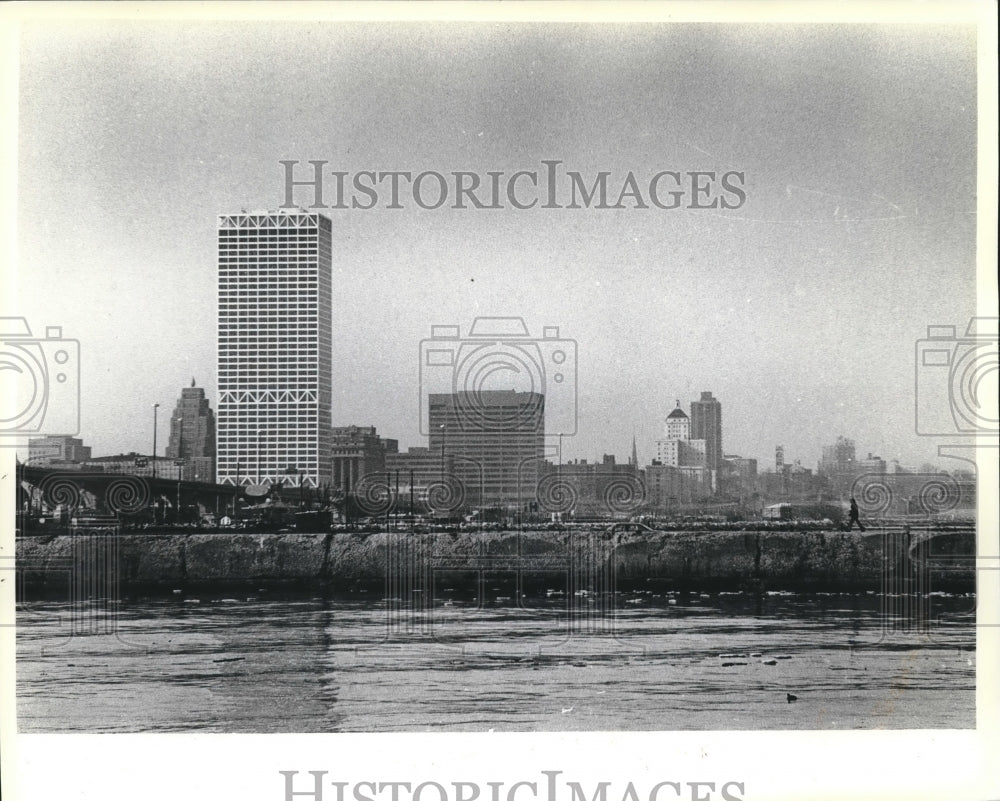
[192, 434]
[275, 348]
[496, 440]
[706, 424]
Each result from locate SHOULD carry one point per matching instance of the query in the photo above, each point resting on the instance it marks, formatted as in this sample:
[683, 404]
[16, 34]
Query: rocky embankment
[597, 561]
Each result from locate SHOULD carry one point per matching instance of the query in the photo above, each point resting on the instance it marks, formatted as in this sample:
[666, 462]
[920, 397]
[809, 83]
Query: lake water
[269, 663]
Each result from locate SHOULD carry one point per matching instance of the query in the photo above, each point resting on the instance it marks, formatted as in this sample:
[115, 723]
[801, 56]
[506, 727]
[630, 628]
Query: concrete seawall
[731, 560]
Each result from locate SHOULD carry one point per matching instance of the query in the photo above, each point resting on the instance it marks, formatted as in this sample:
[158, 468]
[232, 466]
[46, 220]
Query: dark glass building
[495, 441]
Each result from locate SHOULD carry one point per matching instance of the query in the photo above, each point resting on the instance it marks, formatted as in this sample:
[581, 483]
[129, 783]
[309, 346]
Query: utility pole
[180, 470]
[443, 435]
[388, 505]
[156, 407]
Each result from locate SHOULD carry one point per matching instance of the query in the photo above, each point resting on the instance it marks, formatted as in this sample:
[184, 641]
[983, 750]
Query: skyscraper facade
[839, 466]
[192, 434]
[706, 424]
[495, 439]
[356, 452]
[275, 348]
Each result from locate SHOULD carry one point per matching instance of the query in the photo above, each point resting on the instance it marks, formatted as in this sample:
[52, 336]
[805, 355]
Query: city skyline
[195, 404]
[830, 179]
[788, 308]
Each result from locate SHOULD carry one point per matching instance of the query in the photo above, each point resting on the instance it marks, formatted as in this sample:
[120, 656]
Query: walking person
[855, 516]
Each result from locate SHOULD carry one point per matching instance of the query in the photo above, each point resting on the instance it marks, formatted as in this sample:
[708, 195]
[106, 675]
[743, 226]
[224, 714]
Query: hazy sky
[799, 311]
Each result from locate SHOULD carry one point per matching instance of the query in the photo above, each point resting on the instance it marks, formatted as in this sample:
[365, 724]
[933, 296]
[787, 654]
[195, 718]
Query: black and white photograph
[500, 375]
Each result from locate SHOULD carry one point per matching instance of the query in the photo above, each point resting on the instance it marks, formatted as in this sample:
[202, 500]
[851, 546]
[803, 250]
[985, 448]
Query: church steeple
[634, 458]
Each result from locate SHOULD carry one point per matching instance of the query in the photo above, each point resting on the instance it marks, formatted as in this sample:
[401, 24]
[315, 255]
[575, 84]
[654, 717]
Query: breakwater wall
[598, 561]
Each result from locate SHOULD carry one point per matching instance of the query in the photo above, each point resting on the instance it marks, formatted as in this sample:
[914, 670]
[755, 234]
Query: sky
[800, 310]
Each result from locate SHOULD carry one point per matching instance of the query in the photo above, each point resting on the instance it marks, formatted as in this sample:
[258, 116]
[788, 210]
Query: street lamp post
[179, 463]
[156, 407]
[559, 471]
[388, 492]
[443, 435]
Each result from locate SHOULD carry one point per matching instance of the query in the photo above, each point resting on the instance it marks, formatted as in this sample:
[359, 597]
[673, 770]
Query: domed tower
[677, 425]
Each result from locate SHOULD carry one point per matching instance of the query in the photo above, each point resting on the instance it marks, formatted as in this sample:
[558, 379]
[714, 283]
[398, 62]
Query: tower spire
[634, 460]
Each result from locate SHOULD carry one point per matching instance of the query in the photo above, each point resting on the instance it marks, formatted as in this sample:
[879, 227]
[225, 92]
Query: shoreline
[103, 564]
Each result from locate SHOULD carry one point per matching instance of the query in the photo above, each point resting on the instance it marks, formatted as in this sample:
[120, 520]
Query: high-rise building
[677, 425]
[706, 424]
[358, 451]
[840, 467]
[677, 448]
[192, 434]
[839, 458]
[677, 452]
[275, 348]
[681, 452]
[496, 440]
